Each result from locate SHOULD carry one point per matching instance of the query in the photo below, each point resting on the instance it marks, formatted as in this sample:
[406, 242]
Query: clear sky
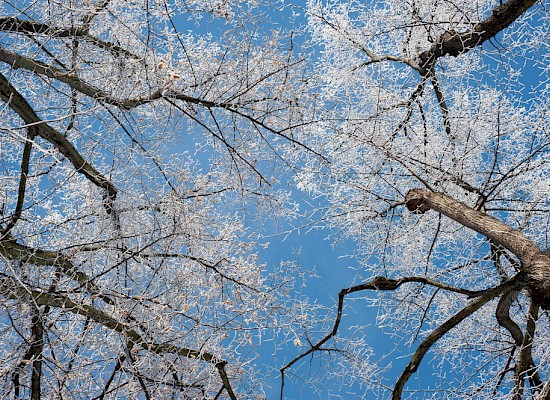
[332, 267]
[328, 265]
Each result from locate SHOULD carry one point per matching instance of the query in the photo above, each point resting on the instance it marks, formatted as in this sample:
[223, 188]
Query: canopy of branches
[149, 149]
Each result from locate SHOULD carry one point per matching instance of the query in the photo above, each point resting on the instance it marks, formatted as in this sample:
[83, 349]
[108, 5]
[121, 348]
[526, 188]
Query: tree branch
[20, 105]
[25, 161]
[524, 363]
[421, 200]
[502, 314]
[28, 27]
[12, 250]
[35, 353]
[438, 333]
[453, 43]
[378, 283]
[534, 262]
[11, 289]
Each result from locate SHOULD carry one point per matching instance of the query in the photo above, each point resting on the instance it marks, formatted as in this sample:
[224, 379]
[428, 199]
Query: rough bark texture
[535, 263]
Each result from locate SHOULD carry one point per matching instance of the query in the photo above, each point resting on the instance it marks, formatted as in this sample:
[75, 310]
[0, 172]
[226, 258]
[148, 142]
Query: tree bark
[534, 262]
[454, 43]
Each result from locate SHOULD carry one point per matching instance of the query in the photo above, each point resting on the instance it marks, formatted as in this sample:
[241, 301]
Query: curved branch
[378, 283]
[382, 283]
[438, 333]
[453, 43]
[70, 79]
[502, 314]
[20, 105]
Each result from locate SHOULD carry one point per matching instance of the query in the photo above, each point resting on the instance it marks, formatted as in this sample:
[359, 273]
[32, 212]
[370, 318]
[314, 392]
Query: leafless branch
[454, 43]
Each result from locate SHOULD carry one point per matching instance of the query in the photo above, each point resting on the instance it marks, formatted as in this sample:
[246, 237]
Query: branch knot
[415, 202]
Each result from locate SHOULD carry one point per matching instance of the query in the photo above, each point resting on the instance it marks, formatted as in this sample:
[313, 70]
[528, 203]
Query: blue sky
[332, 267]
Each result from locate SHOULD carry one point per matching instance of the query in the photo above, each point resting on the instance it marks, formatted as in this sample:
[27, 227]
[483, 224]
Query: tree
[435, 134]
[140, 158]
[130, 152]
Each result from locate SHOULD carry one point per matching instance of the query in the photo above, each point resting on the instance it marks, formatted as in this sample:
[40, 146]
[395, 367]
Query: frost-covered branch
[455, 43]
[10, 289]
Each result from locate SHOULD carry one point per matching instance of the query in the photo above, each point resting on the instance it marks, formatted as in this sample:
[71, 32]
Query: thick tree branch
[20, 105]
[70, 79]
[534, 262]
[16, 25]
[12, 250]
[454, 43]
[525, 361]
[420, 200]
[28, 27]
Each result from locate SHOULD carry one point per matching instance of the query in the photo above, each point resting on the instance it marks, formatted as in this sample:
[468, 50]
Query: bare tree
[435, 131]
[130, 148]
[139, 138]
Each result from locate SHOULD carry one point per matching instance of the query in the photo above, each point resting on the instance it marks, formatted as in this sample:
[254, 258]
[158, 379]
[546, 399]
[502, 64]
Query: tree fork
[454, 43]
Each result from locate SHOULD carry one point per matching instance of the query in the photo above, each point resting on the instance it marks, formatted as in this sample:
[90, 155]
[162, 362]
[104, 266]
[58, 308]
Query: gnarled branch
[454, 43]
